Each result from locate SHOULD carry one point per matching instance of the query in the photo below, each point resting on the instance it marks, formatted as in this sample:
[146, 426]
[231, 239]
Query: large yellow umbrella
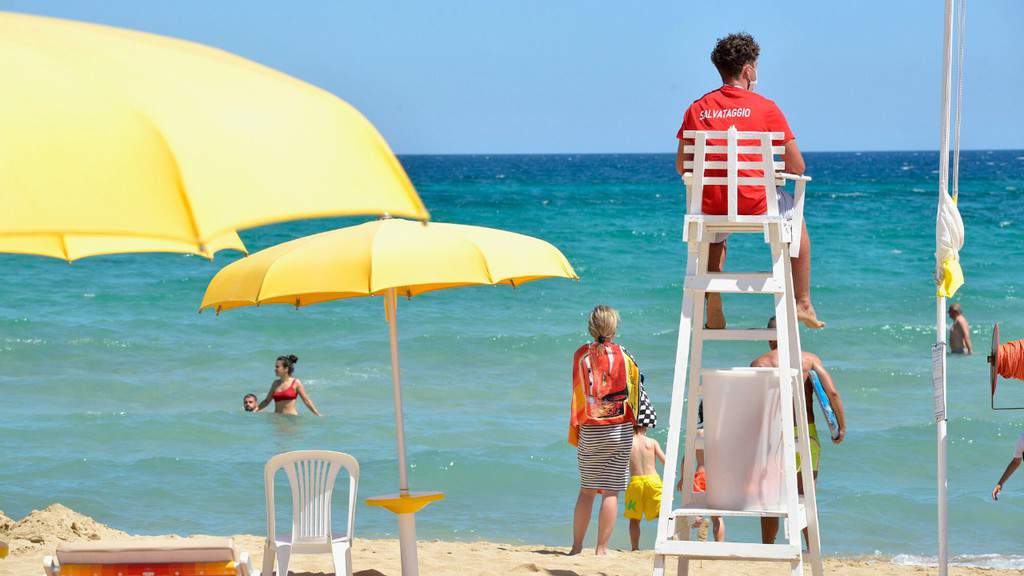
[385, 258]
[113, 140]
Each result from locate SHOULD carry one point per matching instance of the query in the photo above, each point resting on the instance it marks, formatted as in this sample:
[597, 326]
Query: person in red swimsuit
[736, 104]
[286, 389]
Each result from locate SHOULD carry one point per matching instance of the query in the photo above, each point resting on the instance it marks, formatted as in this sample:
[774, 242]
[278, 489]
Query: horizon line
[673, 153]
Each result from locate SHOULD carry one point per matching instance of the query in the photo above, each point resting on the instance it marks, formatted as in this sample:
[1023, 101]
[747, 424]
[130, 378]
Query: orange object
[173, 569]
[605, 387]
[1010, 360]
[700, 481]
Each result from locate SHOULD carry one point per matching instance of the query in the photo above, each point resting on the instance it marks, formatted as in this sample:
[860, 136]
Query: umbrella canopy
[369, 259]
[388, 258]
[114, 140]
[71, 247]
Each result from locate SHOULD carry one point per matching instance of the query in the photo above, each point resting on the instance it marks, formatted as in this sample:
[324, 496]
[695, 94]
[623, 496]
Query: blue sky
[538, 76]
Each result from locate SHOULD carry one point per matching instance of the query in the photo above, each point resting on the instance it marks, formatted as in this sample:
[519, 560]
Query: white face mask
[753, 83]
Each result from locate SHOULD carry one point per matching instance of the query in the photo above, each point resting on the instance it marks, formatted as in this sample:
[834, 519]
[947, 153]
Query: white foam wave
[991, 561]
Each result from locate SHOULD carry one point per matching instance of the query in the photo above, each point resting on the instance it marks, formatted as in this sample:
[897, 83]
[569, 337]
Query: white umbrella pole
[406, 522]
[939, 360]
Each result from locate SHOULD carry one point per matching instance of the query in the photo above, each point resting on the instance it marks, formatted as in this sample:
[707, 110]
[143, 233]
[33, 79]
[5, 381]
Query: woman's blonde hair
[604, 321]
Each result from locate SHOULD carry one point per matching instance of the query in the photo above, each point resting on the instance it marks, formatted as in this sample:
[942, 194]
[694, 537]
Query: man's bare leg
[802, 283]
[634, 534]
[715, 318]
[769, 528]
[719, 525]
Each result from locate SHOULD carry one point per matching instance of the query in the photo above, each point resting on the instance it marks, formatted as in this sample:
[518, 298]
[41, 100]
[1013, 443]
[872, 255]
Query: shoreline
[41, 531]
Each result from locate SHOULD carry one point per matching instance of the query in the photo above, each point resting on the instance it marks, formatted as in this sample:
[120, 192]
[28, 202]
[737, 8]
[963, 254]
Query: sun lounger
[164, 557]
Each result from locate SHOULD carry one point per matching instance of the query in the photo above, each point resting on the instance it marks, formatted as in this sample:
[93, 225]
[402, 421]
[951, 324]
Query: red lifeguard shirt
[748, 112]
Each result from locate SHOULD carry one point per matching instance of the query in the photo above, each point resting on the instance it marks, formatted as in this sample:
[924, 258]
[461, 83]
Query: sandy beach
[41, 531]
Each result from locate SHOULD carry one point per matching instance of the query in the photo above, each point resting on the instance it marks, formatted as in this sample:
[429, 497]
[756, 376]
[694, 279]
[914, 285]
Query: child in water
[643, 495]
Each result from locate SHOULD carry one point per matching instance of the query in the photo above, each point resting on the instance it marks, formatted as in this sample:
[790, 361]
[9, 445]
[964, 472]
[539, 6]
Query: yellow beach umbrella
[386, 258]
[114, 140]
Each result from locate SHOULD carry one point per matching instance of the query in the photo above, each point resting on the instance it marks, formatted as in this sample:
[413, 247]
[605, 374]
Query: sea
[124, 403]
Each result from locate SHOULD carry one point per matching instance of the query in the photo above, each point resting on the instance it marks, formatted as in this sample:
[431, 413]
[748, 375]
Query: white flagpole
[939, 351]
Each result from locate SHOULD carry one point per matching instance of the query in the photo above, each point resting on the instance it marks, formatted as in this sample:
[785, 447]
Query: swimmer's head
[250, 402]
[954, 310]
[604, 321]
[285, 365]
[773, 344]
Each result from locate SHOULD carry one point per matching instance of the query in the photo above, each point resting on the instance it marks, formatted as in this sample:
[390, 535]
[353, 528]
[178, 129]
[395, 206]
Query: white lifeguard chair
[761, 398]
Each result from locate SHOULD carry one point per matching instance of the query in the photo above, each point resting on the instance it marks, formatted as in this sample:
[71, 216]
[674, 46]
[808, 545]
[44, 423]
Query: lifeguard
[736, 104]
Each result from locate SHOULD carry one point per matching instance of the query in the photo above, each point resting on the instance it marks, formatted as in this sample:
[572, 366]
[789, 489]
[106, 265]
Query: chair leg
[268, 558]
[342, 552]
[283, 555]
[659, 565]
[683, 533]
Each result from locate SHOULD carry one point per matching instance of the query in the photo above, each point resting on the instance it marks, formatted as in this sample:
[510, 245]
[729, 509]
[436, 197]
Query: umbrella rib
[487, 263]
[179, 182]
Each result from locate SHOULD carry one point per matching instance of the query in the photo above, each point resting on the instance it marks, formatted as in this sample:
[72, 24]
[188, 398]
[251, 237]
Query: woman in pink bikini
[286, 389]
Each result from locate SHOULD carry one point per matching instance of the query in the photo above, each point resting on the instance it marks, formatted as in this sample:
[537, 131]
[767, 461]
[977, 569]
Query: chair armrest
[50, 566]
[794, 177]
[245, 565]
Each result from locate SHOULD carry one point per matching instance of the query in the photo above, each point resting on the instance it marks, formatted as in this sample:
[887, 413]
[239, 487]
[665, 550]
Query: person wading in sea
[286, 389]
[770, 359]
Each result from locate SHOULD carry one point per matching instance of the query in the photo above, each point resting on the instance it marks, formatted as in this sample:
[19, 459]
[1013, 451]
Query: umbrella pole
[406, 522]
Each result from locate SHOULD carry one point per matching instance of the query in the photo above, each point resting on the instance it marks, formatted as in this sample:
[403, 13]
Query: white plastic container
[742, 439]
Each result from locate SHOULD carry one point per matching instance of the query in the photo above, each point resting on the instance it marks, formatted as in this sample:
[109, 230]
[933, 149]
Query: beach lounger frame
[159, 557]
[783, 236]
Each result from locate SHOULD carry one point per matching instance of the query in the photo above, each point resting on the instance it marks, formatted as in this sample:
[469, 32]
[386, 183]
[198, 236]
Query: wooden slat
[777, 150]
[743, 165]
[705, 512]
[723, 134]
[735, 283]
[728, 550]
[724, 181]
[745, 334]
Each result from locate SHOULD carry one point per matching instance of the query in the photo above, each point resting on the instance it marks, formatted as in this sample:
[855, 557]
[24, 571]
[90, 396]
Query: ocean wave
[989, 561]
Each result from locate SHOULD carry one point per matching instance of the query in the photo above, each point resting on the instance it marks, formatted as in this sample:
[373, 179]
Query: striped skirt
[603, 456]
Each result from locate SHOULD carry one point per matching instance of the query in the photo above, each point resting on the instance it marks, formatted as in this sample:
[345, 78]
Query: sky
[575, 76]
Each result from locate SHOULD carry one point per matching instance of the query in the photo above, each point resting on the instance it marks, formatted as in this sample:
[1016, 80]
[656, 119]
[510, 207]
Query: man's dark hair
[250, 394]
[734, 52]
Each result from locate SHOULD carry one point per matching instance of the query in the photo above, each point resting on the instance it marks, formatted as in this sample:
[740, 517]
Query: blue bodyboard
[825, 405]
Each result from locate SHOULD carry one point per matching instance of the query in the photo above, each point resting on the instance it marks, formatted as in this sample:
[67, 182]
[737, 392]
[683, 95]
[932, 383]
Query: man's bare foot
[602, 551]
[715, 317]
[806, 314]
[575, 550]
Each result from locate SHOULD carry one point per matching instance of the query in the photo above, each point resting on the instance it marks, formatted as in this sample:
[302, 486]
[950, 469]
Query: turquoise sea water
[123, 403]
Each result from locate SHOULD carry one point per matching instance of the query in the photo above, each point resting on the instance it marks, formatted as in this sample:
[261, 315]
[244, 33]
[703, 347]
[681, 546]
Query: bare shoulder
[811, 358]
[766, 360]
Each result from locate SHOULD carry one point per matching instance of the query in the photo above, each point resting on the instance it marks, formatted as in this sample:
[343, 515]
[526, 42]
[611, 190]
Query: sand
[41, 531]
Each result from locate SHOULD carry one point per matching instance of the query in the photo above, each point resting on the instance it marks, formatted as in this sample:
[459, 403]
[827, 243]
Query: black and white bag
[646, 416]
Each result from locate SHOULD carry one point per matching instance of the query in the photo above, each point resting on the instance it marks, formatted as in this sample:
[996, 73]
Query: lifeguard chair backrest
[731, 158]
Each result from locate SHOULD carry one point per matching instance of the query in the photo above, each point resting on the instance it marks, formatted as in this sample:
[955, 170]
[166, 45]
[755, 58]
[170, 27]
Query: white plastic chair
[311, 474]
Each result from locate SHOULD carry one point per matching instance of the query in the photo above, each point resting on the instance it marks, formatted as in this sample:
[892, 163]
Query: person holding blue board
[820, 389]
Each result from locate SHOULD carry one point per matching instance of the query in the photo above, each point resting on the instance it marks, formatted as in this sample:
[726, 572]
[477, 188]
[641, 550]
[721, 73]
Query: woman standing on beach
[605, 393]
[286, 389]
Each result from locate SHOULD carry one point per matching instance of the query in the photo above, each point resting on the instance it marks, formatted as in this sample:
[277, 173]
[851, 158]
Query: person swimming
[286, 389]
[250, 403]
